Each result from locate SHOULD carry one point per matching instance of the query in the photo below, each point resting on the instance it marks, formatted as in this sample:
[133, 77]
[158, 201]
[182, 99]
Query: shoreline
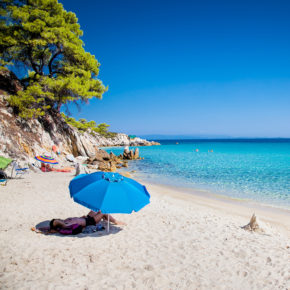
[258, 192]
[211, 193]
[279, 217]
[216, 195]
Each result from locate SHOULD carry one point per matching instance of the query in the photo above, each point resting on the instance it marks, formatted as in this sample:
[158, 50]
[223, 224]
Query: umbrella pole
[108, 225]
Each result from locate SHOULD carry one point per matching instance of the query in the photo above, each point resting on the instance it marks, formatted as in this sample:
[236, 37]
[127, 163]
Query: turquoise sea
[257, 170]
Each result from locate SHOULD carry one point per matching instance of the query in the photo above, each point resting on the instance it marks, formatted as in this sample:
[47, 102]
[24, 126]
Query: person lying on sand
[75, 225]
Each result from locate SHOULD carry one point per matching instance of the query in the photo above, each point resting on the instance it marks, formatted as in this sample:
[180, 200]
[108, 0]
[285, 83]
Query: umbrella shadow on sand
[43, 228]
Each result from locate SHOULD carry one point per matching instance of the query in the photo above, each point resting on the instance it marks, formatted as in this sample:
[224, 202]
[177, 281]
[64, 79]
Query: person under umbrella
[75, 225]
[46, 161]
[109, 193]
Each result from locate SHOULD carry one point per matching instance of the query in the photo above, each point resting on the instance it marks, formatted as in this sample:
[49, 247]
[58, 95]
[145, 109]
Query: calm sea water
[258, 170]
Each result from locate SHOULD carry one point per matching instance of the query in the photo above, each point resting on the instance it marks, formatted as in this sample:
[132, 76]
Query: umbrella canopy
[109, 192]
[46, 159]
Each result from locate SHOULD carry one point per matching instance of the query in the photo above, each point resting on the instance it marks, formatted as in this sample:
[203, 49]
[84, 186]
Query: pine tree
[43, 39]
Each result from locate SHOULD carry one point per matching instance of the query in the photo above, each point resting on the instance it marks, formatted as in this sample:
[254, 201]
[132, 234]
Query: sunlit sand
[179, 241]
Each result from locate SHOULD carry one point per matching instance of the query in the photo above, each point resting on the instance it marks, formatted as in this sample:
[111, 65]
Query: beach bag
[71, 230]
[3, 175]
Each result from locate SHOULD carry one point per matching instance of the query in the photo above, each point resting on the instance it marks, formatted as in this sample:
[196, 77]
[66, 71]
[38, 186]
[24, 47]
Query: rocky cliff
[22, 140]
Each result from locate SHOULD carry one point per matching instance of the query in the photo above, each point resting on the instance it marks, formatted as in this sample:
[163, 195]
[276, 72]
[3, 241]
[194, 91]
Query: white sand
[176, 242]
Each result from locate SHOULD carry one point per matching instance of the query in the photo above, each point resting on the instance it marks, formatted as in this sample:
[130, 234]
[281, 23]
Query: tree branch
[56, 72]
[33, 65]
[42, 60]
[51, 60]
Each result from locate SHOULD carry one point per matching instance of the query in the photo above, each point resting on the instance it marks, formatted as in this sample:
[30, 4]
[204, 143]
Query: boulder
[81, 159]
[126, 149]
[103, 166]
[136, 153]
[92, 167]
[254, 225]
[113, 157]
[113, 167]
[9, 81]
[23, 139]
[128, 154]
[102, 155]
[70, 158]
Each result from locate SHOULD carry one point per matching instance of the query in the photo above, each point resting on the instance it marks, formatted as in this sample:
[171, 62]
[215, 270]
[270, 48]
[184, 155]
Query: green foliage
[28, 101]
[83, 125]
[44, 39]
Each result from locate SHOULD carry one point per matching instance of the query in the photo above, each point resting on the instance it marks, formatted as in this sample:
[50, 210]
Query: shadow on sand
[43, 227]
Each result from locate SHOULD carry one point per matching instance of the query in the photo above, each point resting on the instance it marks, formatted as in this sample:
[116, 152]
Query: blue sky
[189, 67]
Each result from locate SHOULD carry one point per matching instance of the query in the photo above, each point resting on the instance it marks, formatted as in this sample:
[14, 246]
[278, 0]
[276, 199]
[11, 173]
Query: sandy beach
[178, 241]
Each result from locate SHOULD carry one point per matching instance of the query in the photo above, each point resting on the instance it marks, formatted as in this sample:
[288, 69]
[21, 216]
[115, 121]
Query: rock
[101, 155]
[103, 166]
[81, 159]
[119, 140]
[93, 167]
[126, 149]
[112, 167]
[141, 142]
[77, 146]
[136, 153]
[81, 169]
[155, 143]
[70, 157]
[253, 225]
[24, 139]
[129, 155]
[115, 158]
[9, 81]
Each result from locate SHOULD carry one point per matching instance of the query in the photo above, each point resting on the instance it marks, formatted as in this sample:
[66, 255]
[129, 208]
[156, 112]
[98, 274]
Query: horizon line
[184, 137]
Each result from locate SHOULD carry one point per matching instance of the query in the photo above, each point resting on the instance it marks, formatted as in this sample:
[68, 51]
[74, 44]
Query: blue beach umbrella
[109, 192]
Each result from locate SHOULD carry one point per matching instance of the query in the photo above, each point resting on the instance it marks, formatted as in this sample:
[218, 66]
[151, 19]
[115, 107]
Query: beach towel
[93, 228]
[4, 162]
[64, 169]
[47, 168]
[71, 230]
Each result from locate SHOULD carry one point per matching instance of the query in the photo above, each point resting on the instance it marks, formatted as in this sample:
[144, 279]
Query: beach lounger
[18, 171]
